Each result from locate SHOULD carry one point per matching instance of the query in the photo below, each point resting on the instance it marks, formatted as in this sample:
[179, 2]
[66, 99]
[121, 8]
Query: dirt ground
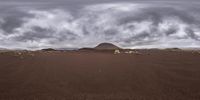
[85, 75]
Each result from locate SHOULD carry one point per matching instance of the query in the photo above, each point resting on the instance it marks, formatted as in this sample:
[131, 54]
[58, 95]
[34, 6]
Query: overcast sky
[37, 24]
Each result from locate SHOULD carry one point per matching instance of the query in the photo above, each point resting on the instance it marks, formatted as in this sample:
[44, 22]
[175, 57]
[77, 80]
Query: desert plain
[148, 74]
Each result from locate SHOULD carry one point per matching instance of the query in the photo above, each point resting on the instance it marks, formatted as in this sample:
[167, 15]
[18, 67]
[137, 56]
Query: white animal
[116, 52]
[130, 52]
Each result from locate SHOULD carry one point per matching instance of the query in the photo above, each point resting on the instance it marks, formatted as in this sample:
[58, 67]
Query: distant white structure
[116, 52]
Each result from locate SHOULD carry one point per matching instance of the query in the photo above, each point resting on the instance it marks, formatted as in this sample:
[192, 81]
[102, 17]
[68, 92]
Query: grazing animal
[116, 52]
[129, 52]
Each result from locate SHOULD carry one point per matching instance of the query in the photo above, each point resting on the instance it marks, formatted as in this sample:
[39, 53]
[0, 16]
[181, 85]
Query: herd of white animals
[136, 52]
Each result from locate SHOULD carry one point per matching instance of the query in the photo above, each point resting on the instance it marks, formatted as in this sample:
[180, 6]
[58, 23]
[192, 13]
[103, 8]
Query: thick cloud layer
[130, 25]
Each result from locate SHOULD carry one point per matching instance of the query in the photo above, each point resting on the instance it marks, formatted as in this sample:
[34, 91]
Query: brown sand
[82, 75]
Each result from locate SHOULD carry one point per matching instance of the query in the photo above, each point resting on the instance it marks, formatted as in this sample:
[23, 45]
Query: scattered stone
[21, 57]
[193, 52]
[137, 53]
[32, 55]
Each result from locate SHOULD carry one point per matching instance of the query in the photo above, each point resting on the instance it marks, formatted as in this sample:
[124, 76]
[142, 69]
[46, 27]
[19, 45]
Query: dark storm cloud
[10, 23]
[172, 30]
[157, 13]
[191, 34]
[11, 19]
[35, 35]
[38, 24]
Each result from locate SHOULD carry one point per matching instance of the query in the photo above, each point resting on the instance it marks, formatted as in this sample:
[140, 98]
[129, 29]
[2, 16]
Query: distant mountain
[48, 49]
[3, 49]
[63, 49]
[106, 46]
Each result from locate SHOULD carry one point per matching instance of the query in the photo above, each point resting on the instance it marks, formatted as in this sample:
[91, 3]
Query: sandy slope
[82, 75]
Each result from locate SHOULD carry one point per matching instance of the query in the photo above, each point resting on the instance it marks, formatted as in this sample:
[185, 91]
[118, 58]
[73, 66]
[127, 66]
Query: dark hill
[48, 49]
[106, 46]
